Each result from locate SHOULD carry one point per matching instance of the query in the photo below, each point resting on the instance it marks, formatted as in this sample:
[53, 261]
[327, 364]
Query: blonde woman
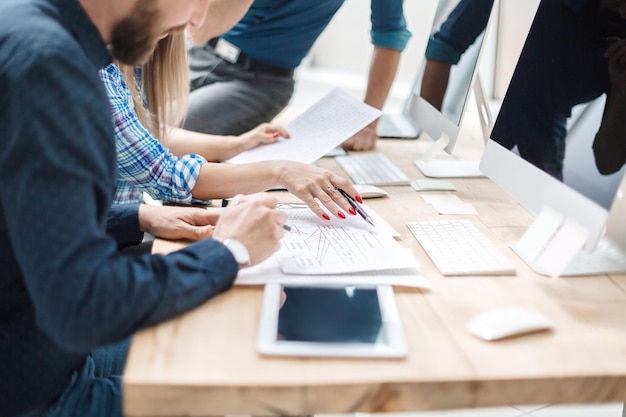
[146, 103]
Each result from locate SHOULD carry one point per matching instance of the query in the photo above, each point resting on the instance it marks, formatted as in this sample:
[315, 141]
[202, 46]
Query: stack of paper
[343, 251]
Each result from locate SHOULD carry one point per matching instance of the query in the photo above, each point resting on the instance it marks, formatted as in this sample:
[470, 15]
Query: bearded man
[69, 299]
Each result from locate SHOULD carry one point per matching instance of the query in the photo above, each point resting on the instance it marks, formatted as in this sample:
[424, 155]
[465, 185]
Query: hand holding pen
[356, 206]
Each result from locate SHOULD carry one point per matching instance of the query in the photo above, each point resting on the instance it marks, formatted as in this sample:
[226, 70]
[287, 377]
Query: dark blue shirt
[465, 22]
[561, 65]
[64, 287]
[281, 32]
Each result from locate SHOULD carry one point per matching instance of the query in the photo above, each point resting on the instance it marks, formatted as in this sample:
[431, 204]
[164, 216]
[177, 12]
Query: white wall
[345, 46]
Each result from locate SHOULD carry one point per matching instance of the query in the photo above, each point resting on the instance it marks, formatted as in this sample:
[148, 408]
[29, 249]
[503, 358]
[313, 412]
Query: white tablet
[335, 321]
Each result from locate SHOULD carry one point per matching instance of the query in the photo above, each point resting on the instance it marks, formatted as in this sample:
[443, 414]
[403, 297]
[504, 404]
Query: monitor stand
[606, 258]
[457, 168]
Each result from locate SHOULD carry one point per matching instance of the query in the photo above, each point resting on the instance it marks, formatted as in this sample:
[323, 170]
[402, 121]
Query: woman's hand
[316, 186]
[264, 133]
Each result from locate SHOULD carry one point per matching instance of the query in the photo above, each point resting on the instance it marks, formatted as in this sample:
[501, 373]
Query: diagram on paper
[317, 247]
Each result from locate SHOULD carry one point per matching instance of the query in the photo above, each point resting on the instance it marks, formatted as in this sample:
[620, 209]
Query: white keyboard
[372, 168]
[457, 247]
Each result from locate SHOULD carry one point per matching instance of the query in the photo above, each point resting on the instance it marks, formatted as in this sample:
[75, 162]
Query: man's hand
[254, 221]
[177, 222]
[363, 140]
[382, 71]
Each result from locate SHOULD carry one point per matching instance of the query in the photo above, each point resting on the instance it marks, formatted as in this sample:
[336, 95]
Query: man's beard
[134, 38]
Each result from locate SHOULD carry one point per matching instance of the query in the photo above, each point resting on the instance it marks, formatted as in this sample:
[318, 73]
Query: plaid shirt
[143, 164]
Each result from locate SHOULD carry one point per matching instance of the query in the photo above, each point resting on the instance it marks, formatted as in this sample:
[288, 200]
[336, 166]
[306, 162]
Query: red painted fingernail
[359, 199]
[352, 211]
[340, 214]
[276, 134]
[326, 216]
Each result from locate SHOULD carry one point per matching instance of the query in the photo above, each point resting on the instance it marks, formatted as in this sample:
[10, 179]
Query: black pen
[356, 206]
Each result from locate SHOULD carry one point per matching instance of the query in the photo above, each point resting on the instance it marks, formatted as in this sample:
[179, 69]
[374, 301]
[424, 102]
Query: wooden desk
[205, 362]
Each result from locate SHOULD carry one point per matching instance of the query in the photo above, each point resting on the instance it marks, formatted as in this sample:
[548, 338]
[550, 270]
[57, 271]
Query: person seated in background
[445, 47]
[69, 298]
[245, 76]
[185, 174]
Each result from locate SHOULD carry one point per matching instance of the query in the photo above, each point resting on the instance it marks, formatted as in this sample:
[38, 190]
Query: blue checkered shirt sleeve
[143, 163]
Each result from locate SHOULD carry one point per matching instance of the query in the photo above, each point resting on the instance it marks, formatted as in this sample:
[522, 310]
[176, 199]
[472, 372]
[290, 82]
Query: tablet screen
[333, 315]
[360, 321]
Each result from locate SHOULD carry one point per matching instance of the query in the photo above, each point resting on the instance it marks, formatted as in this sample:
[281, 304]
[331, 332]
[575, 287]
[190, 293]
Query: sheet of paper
[269, 272]
[432, 185]
[380, 224]
[317, 246]
[441, 199]
[324, 126]
[464, 208]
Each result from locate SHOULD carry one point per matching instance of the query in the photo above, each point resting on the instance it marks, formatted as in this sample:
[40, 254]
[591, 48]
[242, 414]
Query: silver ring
[330, 189]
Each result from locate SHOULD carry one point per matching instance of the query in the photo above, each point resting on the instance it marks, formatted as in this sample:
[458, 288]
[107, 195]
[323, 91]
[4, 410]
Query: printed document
[317, 246]
[342, 251]
[324, 126]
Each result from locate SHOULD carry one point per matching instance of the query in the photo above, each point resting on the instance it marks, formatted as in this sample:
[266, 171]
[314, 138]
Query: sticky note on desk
[441, 199]
[464, 208]
[432, 185]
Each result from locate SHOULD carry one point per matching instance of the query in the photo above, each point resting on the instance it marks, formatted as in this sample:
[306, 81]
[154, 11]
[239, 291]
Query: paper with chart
[326, 252]
[316, 246]
[269, 272]
[324, 126]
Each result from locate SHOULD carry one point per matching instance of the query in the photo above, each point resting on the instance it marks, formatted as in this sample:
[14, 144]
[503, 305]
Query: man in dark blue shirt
[69, 300]
[564, 63]
[445, 47]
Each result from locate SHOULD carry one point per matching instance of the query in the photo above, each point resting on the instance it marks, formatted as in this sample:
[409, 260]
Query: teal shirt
[281, 32]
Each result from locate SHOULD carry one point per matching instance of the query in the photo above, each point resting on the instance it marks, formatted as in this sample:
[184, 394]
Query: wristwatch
[239, 251]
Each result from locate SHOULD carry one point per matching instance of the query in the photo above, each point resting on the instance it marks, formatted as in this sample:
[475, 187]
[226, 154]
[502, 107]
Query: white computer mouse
[501, 323]
[370, 191]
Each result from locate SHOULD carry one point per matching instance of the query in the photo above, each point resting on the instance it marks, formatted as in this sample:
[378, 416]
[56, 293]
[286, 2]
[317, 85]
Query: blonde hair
[161, 95]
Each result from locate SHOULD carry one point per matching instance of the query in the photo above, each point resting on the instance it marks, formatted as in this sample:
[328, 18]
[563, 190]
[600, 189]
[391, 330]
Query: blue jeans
[95, 389]
[227, 99]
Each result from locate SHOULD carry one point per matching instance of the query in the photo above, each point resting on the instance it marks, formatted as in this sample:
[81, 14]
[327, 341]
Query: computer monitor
[548, 160]
[439, 103]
